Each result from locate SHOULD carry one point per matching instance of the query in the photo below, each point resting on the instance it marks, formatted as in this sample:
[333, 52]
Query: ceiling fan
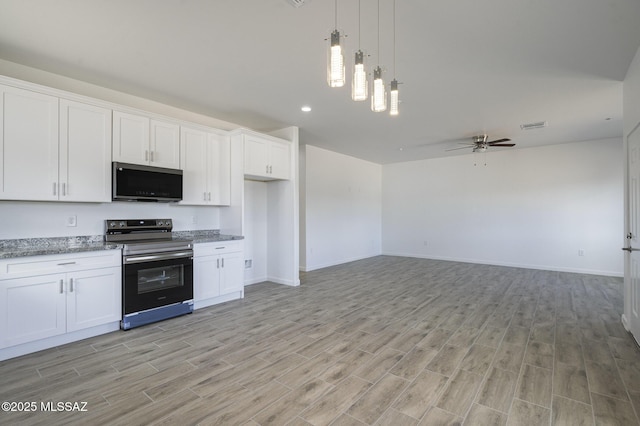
[479, 143]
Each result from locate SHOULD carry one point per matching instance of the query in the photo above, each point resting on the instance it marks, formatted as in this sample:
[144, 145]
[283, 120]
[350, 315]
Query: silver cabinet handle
[218, 263]
[55, 185]
[209, 197]
[151, 154]
[71, 285]
[220, 248]
[270, 169]
[223, 262]
[64, 189]
[267, 171]
[61, 286]
[146, 155]
[66, 263]
[630, 249]
[204, 197]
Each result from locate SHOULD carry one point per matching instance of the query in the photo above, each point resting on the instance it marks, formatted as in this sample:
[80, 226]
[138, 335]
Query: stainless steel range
[157, 270]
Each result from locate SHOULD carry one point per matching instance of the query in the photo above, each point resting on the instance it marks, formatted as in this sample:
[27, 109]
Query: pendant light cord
[359, 26]
[394, 38]
[378, 32]
[336, 3]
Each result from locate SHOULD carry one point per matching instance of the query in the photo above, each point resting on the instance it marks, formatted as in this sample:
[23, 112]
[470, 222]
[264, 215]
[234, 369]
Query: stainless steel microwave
[133, 182]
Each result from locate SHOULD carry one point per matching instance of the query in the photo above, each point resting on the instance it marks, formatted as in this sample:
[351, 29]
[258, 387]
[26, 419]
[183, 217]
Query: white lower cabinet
[94, 297]
[34, 308]
[218, 272]
[71, 294]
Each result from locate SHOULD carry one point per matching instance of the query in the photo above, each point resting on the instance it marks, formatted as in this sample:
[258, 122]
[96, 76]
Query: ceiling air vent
[530, 126]
[297, 3]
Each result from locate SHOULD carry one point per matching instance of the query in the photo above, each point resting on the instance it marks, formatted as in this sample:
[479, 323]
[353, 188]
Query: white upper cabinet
[85, 152]
[205, 162]
[164, 145]
[141, 140]
[29, 154]
[54, 149]
[266, 158]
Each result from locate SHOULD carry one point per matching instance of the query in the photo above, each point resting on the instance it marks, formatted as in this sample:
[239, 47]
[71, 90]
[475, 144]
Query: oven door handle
[155, 257]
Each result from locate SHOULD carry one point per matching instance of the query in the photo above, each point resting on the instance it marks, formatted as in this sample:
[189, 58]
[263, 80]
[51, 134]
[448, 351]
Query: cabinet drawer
[59, 263]
[208, 249]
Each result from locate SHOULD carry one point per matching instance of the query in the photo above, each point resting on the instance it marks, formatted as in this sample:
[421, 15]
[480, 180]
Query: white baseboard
[511, 265]
[305, 268]
[50, 342]
[292, 283]
[625, 323]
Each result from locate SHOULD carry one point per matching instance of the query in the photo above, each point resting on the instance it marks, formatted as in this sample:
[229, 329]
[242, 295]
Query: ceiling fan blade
[502, 144]
[499, 140]
[464, 147]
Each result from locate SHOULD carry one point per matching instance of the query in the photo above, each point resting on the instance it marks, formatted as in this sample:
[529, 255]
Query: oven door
[154, 280]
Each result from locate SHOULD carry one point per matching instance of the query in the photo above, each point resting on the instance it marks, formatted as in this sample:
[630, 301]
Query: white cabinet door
[85, 152]
[206, 168]
[194, 160]
[32, 308]
[206, 277]
[219, 168]
[280, 161]
[130, 138]
[164, 149]
[141, 140]
[29, 146]
[232, 273]
[266, 159]
[256, 156]
[93, 298]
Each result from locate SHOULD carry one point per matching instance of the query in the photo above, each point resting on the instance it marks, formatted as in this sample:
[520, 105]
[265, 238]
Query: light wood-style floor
[386, 340]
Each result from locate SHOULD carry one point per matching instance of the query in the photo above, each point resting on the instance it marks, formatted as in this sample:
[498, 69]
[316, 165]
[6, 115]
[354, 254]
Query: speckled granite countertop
[61, 245]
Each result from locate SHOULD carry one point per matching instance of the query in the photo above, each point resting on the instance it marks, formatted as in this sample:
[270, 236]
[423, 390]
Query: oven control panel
[132, 225]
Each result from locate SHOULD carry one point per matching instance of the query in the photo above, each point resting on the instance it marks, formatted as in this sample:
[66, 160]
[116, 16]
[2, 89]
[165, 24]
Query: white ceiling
[467, 66]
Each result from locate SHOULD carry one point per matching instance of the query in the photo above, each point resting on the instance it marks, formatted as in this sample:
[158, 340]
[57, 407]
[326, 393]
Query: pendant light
[393, 102]
[335, 62]
[359, 89]
[393, 90]
[379, 94]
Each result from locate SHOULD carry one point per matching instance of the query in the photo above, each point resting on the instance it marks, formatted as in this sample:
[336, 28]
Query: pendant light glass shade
[393, 95]
[379, 94]
[335, 62]
[359, 89]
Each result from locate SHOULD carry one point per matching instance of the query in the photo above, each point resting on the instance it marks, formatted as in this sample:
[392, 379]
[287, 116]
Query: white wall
[48, 219]
[533, 208]
[255, 231]
[343, 201]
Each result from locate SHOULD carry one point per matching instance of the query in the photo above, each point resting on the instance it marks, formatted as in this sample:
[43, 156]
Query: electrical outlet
[248, 263]
[72, 221]
[194, 220]
[580, 252]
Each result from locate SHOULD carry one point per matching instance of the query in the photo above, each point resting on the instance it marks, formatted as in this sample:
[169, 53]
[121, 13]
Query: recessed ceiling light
[305, 108]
